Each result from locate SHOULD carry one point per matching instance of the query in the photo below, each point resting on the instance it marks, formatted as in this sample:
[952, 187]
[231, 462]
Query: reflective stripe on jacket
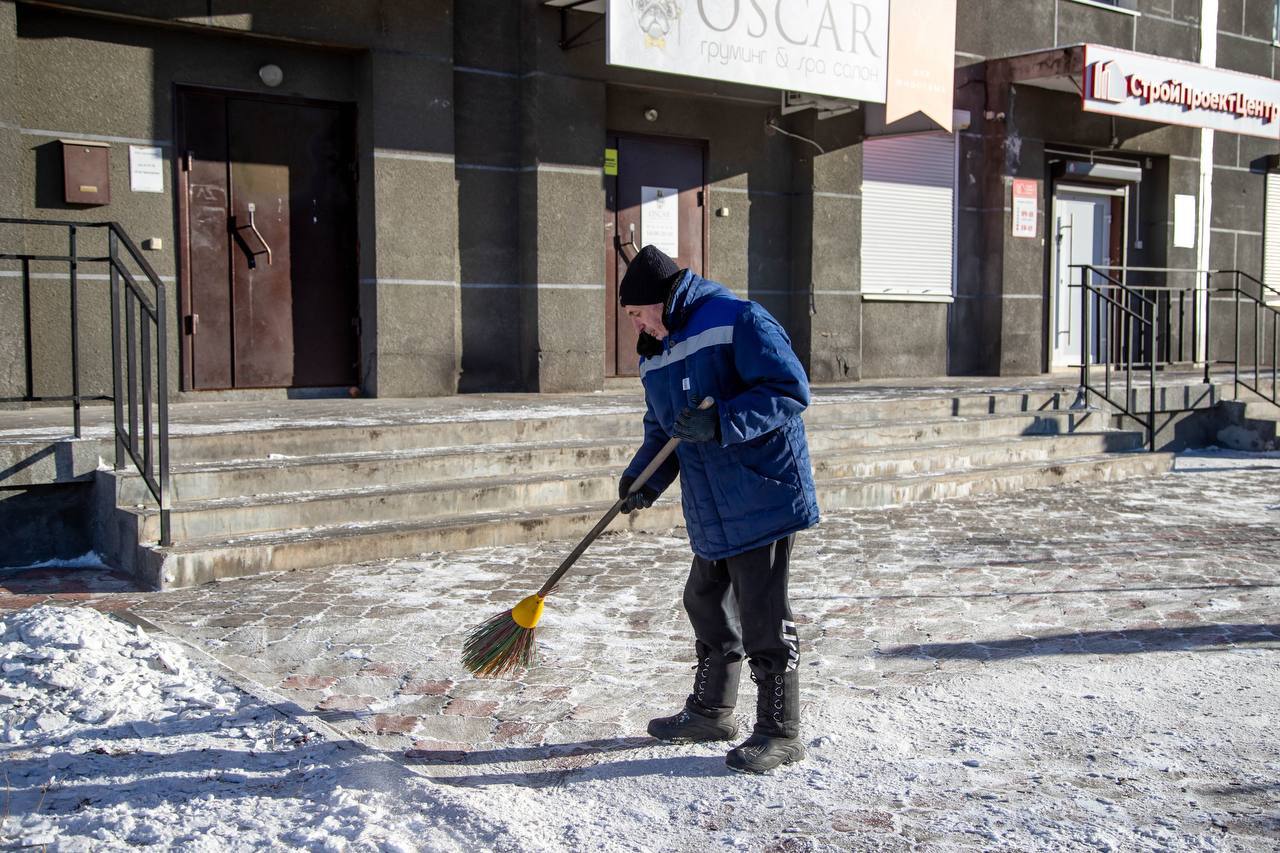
[756, 484]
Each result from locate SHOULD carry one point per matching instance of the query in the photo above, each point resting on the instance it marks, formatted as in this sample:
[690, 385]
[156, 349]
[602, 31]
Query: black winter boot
[776, 738]
[708, 712]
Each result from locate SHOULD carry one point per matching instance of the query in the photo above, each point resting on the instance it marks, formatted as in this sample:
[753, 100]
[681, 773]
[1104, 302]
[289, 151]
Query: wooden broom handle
[650, 469]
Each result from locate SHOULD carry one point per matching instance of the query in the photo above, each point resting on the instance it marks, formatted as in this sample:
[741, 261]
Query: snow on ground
[112, 739]
[1217, 458]
[1054, 758]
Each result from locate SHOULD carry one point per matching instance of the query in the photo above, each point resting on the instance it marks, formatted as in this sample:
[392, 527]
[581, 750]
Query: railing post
[131, 362]
[1235, 386]
[1128, 356]
[74, 263]
[1257, 346]
[1151, 370]
[117, 403]
[1275, 351]
[26, 312]
[162, 402]
[1084, 333]
[1182, 327]
[144, 331]
[1195, 323]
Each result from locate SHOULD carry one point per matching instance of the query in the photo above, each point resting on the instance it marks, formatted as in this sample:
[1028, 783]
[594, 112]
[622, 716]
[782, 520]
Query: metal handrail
[1262, 309]
[135, 313]
[1133, 319]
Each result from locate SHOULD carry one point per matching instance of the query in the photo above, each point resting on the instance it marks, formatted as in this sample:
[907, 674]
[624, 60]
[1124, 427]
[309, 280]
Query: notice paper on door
[660, 219]
[146, 168]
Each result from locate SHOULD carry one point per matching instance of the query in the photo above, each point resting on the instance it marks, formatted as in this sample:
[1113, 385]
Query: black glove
[642, 499]
[648, 346]
[697, 425]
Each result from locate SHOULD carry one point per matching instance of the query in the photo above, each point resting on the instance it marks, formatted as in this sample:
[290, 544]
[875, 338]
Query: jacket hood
[686, 294]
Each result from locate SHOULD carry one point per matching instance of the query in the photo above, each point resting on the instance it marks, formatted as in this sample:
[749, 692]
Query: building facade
[422, 198]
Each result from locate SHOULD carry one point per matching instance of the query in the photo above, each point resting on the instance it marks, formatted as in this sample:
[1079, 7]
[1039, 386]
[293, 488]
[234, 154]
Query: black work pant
[738, 607]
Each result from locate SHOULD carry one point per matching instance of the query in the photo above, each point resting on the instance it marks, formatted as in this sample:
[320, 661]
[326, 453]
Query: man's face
[647, 318]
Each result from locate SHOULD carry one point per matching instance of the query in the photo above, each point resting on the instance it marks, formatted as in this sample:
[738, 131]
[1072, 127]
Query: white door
[1082, 235]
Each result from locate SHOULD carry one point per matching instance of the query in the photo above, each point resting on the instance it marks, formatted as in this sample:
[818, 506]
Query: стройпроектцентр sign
[1136, 85]
[824, 47]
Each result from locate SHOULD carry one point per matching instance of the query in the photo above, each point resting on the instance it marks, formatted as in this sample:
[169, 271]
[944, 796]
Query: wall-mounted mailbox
[86, 171]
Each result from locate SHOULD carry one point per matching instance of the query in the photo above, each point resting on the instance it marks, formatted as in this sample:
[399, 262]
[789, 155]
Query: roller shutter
[908, 217]
[1271, 237]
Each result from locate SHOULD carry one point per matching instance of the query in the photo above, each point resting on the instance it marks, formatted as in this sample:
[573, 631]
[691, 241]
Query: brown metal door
[659, 164]
[261, 268]
[207, 290]
[278, 280]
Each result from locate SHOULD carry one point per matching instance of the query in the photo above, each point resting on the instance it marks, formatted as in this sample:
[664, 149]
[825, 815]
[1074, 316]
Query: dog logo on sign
[656, 19]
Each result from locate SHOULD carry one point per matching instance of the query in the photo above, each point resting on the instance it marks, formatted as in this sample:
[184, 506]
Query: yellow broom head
[505, 642]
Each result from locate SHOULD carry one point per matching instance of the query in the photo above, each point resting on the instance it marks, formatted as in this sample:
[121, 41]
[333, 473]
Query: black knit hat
[648, 279]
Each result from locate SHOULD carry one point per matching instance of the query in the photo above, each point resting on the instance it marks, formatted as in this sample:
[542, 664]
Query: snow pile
[111, 738]
[1218, 459]
[87, 560]
[68, 668]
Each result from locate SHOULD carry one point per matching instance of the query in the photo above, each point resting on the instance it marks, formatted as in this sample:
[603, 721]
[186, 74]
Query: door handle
[631, 243]
[252, 226]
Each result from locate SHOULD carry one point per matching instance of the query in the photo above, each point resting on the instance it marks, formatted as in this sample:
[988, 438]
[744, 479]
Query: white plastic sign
[660, 219]
[146, 168]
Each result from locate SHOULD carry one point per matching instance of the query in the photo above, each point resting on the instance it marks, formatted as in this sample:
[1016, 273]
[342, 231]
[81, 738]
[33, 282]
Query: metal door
[269, 280]
[1082, 235]
[648, 167]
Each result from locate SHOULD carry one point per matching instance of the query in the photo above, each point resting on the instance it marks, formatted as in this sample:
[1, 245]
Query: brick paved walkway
[1046, 590]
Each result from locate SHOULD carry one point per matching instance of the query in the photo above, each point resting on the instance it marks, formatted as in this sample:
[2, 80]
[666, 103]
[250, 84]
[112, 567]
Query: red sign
[1025, 209]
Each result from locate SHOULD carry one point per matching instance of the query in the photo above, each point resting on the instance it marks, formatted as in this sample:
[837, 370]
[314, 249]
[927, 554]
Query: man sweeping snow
[746, 486]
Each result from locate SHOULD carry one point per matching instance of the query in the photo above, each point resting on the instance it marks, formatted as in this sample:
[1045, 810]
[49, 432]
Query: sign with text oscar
[823, 47]
[1137, 85]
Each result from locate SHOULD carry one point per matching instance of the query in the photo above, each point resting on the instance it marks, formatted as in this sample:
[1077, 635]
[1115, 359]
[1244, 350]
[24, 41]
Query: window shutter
[1271, 237]
[908, 217]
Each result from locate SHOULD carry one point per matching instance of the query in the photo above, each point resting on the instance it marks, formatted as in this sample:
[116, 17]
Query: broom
[505, 642]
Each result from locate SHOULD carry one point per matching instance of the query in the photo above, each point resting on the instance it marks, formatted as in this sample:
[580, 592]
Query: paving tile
[887, 600]
[471, 708]
[309, 682]
[342, 702]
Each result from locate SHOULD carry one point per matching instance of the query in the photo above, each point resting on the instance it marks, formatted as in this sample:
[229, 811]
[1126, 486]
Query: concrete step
[212, 481]
[237, 516]
[202, 561]
[237, 478]
[866, 434]
[928, 458]
[234, 442]
[1178, 397]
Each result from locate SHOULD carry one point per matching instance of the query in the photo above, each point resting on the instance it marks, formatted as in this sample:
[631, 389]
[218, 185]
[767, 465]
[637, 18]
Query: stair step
[513, 425]
[930, 457]
[407, 501]
[213, 480]
[202, 561]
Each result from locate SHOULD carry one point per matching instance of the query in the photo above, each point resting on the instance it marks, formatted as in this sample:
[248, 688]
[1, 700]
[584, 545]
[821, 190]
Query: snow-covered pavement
[112, 739]
[1084, 668]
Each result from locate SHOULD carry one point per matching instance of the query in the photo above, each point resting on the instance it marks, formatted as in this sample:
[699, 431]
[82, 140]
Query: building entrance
[658, 196]
[1088, 228]
[268, 255]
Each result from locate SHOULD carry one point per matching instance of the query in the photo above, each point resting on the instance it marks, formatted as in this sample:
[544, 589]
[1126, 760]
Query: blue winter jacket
[755, 485]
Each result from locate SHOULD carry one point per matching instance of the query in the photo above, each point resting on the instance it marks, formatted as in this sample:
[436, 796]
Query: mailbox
[86, 171]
